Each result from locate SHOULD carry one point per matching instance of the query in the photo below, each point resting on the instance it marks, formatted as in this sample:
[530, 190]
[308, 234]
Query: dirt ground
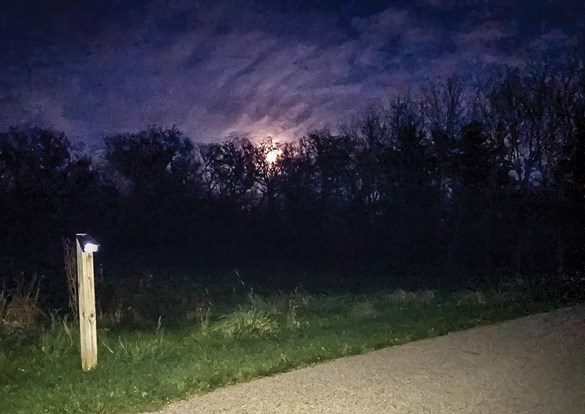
[530, 365]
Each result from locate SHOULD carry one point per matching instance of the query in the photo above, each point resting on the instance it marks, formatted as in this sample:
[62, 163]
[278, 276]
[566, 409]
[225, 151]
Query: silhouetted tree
[34, 167]
[157, 178]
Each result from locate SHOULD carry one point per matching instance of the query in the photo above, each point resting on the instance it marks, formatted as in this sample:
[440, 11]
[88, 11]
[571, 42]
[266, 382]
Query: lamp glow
[91, 247]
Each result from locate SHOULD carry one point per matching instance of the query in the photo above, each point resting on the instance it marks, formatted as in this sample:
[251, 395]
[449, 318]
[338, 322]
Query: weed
[402, 296]
[363, 310]
[70, 259]
[111, 317]
[140, 347]
[473, 297]
[59, 340]
[247, 322]
[202, 313]
[23, 307]
[3, 307]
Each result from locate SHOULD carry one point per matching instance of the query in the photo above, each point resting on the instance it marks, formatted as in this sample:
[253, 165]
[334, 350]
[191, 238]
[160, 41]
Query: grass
[141, 370]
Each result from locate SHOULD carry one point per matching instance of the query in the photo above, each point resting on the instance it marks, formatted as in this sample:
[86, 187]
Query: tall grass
[19, 306]
[70, 262]
[3, 307]
[61, 339]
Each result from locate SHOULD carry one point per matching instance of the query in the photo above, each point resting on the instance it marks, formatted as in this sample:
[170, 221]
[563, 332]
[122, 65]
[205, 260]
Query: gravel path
[530, 365]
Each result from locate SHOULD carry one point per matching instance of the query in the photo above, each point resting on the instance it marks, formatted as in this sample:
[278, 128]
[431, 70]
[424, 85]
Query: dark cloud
[276, 68]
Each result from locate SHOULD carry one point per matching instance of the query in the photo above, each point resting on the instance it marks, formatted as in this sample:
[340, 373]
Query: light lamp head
[87, 243]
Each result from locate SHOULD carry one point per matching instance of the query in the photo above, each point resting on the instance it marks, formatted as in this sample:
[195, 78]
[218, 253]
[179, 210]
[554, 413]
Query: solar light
[88, 243]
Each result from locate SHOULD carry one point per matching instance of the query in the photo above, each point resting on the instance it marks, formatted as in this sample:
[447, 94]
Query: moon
[272, 156]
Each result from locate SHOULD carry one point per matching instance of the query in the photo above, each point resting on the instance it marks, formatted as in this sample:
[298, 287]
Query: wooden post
[87, 316]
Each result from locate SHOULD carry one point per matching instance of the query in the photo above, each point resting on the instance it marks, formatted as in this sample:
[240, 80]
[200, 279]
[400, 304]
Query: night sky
[262, 68]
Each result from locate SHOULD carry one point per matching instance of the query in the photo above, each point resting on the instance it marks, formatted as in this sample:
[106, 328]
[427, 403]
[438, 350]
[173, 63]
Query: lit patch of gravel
[530, 365]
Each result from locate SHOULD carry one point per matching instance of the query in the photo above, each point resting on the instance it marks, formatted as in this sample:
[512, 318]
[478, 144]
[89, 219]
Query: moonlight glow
[273, 155]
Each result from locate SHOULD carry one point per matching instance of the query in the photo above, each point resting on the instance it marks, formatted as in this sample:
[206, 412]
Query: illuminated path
[530, 365]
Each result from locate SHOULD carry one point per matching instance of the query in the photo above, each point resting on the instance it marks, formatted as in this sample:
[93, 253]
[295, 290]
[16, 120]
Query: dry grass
[70, 258]
[3, 307]
[402, 296]
[20, 308]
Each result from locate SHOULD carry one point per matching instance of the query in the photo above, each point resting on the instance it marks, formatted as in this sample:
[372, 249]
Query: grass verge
[141, 370]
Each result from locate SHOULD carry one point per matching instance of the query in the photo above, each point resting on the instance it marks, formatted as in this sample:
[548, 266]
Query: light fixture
[87, 243]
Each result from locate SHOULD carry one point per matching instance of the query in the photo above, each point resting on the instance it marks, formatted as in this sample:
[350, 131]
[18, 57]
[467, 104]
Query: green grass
[141, 370]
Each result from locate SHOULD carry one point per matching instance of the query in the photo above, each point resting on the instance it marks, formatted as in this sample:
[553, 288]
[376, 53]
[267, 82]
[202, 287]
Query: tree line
[461, 182]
